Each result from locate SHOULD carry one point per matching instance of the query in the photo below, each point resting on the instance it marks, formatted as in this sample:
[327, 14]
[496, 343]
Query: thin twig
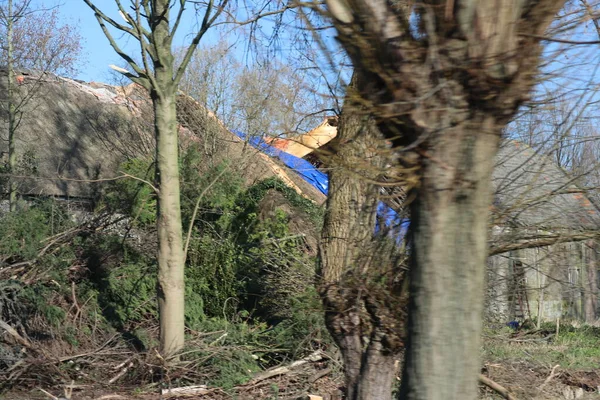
[549, 378]
[191, 223]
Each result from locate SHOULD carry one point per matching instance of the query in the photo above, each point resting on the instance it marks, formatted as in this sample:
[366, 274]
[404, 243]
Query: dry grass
[539, 364]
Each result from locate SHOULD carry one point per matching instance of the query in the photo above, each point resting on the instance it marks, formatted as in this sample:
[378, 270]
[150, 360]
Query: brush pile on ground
[78, 291]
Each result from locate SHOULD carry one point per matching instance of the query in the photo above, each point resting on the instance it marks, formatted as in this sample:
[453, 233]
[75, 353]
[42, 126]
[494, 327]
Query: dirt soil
[527, 381]
[316, 379]
[523, 380]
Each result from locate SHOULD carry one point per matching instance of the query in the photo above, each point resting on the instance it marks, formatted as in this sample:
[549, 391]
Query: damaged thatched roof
[70, 132]
[74, 135]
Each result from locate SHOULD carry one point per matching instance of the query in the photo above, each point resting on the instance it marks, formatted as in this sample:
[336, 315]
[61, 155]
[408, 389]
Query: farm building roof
[77, 134]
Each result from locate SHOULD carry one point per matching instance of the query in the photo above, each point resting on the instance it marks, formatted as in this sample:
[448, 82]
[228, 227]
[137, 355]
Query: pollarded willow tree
[441, 79]
[153, 26]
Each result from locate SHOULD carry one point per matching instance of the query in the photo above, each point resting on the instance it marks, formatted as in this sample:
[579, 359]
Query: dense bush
[249, 276]
[23, 231]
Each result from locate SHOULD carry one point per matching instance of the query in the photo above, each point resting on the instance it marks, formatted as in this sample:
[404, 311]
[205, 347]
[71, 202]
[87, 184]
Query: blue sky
[98, 53]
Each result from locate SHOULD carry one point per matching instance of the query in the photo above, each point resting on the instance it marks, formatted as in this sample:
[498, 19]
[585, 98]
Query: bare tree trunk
[171, 287]
[441, 93]
[359, 308]
[591, 283]
[171, 258]
[449, 223]
[12, 155]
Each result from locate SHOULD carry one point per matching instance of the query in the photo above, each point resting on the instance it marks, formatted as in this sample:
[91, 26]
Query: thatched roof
[77, 134]
[532, 191]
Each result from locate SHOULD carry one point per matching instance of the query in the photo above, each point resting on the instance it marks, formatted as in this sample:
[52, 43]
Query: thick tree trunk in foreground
[358, 306]
[448, 222]
[441, 91]
[171, 289]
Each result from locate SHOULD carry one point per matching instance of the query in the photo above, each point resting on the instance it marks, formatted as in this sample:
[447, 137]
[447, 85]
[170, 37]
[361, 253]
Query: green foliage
[217, 186]
[573, 348]
[304, 328]
[211, 274]
[248, 202]
[131, 196]
[23, 231]
[233, 352]
[276, 267]
[240, 262]
[38, 299]
[130, 293]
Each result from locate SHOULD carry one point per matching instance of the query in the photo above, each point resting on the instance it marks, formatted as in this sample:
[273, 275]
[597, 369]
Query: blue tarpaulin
[319, 179]
[305, 169]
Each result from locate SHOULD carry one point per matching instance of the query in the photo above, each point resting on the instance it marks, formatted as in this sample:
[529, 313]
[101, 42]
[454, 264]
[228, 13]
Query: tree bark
[171, 289]
[152, 27]
[448, 221]
[171, 258]
[591, 282]
[12, 154]
[359, 308]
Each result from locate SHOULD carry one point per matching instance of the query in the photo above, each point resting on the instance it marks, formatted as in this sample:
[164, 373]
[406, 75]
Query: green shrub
[39, 299]
[129, 295]
[23, 231]
[131, 196]
[217, 187]
[211, 274]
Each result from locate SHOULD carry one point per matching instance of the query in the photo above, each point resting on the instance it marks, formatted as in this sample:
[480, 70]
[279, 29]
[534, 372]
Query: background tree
[150, 24]
[33, 40]
[442, 92]
[280, 98]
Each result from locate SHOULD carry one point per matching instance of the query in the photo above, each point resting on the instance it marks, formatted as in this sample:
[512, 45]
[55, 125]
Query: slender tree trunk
[171, 259]
[12, 154]
[171, 289]
[591, 282]
[449, 230]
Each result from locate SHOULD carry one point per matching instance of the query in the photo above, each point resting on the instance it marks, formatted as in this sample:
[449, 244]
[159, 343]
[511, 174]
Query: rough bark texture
[364, 312]
[442, 96]
[449, 223]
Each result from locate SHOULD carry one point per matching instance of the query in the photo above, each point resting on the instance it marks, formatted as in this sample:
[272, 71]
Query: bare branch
[178, 18]
[143, 77]
[541, 240]
[207, 22]
[557, 40]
